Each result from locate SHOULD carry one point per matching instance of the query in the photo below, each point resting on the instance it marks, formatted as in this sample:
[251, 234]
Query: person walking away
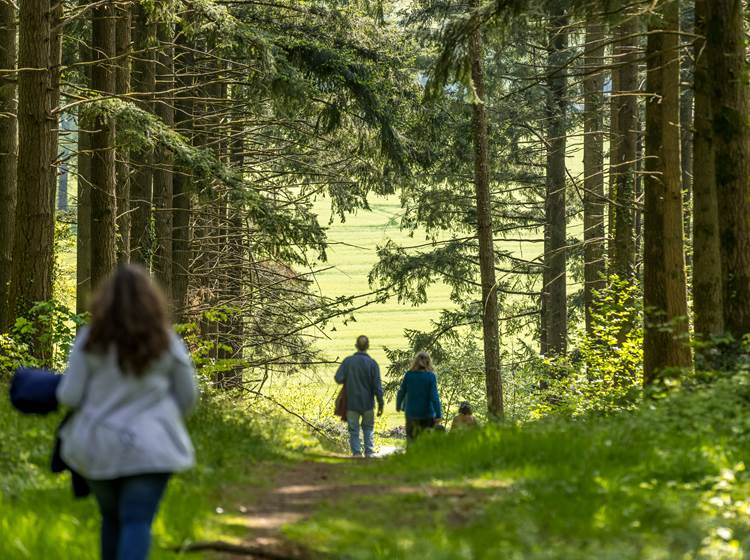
[418, 397]
[360, 376]
[465, 418]
[130, 382]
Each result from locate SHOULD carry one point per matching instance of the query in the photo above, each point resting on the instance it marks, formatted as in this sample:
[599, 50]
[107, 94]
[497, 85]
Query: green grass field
[351, 256]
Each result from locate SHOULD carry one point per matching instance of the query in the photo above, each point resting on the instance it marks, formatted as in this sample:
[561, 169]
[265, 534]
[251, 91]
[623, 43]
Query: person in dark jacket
[360, 375]
[418, 397]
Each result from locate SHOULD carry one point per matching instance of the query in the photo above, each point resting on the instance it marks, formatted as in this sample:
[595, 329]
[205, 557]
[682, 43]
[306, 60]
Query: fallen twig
[246, 550]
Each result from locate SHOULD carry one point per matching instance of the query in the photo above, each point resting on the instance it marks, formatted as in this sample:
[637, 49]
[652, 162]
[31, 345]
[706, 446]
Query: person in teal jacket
[418, 397]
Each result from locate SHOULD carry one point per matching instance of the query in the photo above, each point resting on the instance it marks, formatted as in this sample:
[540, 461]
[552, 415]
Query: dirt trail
[297, 490]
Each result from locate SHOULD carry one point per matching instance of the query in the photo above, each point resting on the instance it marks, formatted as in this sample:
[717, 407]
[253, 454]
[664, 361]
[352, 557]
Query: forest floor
[296, 492]
[299, 491]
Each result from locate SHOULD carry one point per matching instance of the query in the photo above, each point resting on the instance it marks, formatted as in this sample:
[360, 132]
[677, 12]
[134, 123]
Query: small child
[464, 419]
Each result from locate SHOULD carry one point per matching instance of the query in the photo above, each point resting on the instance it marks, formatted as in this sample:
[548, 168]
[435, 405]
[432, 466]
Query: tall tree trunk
[615, 146]
[141, 181]
[55, 75]
[8, 151]
[163, 168]
[122, 87]
[687, 29]
[83, 207]
[490, 325]
[593, 167]
[103, 190]
[666, 340]
[182, 182]
[31, 277]
[725, 47]
[623, 258]
[555, 259]
[707, 291]
[237, 253]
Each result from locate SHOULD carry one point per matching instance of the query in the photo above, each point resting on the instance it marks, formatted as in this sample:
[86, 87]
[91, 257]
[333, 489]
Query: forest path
[297, 490]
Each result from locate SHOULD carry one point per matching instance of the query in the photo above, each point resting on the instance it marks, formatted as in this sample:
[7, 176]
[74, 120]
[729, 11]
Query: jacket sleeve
[340, 376]
[184, 383]
[377, 383]
[401, 396]
[70, 391]
[435, 397]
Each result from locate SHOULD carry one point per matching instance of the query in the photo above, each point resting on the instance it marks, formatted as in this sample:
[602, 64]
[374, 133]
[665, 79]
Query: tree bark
[122, 88]
[687, 97]
[55, 75]
[725, 47]
[31, 277]
[490, 326]
[141, 180]
[83, 206]
[8, 151]
[626, 125]
[666, 338]
[707, 289]
[103, 189]
[182, 182]
[163, 168]
[593, 167]
[555, 258]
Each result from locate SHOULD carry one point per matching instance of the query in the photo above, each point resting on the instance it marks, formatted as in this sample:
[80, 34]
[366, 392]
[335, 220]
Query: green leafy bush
[605, 373]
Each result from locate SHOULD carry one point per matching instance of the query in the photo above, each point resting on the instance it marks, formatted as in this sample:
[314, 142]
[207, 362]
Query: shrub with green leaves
[605, 373]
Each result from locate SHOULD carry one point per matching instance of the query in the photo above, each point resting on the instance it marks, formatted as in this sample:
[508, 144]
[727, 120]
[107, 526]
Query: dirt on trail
[296, 492]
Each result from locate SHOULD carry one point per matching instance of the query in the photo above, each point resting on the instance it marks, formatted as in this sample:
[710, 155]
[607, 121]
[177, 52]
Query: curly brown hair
[129, 312]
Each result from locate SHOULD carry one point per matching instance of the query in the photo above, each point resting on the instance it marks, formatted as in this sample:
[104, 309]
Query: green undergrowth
[39, 519]
[666, 481]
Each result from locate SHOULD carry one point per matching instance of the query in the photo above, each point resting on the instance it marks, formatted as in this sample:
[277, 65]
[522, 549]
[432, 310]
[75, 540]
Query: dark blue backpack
[33, 391]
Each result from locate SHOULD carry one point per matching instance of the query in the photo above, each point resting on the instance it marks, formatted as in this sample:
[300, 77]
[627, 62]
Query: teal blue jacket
[418, 396]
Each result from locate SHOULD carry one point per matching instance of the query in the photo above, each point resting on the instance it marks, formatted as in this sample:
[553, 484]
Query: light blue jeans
[368, 427]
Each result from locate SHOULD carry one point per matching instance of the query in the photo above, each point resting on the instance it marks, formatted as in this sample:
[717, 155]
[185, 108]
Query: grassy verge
[40, 519]
[668, 481]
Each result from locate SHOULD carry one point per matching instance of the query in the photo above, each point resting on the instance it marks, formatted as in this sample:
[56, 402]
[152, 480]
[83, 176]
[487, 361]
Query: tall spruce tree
[8, 150]
[33, 244]
[666, 339]
[490, 326]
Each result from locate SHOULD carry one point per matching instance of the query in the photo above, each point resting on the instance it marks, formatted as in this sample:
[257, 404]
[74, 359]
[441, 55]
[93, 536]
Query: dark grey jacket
[362, 377]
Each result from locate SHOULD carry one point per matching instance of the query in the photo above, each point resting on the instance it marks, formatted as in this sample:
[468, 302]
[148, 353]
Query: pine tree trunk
[8, 151]
[164, 162]
[103, 189]
[182, 182]
[31, 276]
[593, 167]
[707, 291]
[237, 251]
[666, 337]
[555, 259]
[83, 208]
[122, 87]
[687, 28]
[725, 47]
[623, 257]
[615, 145]
[141, 180]
[490, 324]
[55, 75]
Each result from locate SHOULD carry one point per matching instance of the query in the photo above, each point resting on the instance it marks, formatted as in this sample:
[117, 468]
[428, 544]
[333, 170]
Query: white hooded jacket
[125, 424]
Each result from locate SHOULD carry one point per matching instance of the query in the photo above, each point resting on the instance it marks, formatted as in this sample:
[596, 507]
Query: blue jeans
[128, 506]
[368, 427]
